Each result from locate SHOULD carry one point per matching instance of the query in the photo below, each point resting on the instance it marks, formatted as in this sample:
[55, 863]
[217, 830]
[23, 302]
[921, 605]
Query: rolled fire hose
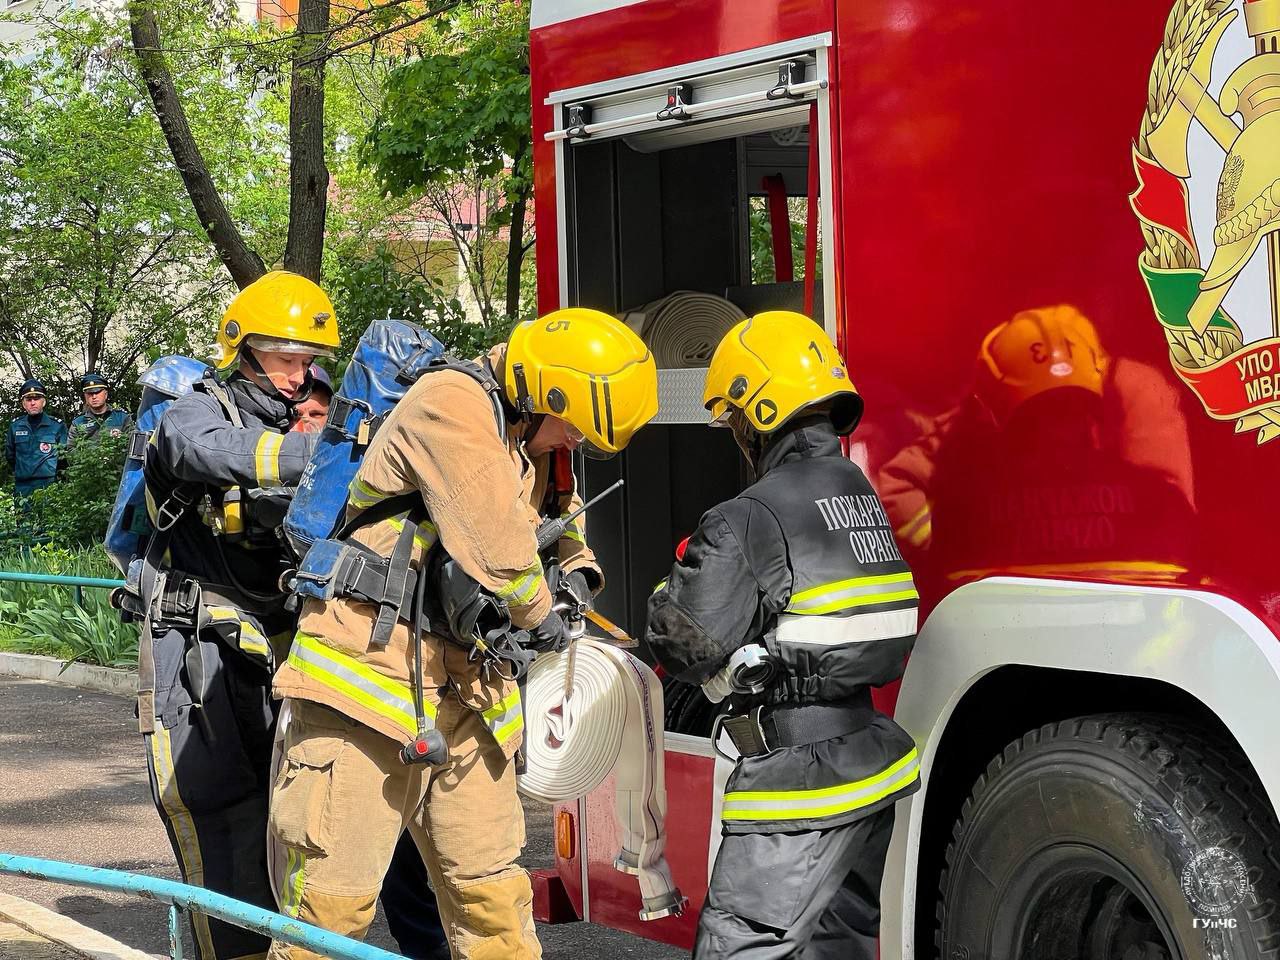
[589, 712]
[683, 328]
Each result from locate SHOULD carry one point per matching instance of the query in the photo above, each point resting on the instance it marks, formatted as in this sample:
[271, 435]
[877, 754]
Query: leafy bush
[74, 511]
[46, 619]
[375, 288]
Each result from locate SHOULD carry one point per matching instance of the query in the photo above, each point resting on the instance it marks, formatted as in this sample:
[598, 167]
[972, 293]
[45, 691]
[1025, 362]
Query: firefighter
[35, 442]
[478, 453]
[216, 471]
[309, 415]
[98, 418]
[790, 603]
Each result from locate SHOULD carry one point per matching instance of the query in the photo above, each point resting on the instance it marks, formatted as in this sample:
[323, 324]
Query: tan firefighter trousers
[341, 800]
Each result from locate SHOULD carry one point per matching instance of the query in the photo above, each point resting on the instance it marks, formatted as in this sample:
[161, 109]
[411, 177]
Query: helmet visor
[275, 345]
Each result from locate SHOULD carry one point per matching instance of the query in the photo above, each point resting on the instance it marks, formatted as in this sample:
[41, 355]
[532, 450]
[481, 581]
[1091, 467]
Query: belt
[765, 729]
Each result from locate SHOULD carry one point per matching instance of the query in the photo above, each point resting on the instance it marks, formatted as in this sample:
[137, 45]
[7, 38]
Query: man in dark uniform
[790, 603]
[217, 472]
[99, 418]
[35, 442]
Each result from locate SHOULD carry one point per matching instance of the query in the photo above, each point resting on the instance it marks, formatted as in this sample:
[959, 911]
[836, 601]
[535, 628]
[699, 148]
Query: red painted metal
[981, 167]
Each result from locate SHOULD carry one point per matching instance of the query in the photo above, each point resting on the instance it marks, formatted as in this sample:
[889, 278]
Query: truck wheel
[1113, 837]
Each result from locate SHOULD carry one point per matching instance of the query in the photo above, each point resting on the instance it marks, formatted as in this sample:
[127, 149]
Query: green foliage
[461, 108]
[761, 235]
[47, 619]
[376, 288]
[105, 264]
[73, 511]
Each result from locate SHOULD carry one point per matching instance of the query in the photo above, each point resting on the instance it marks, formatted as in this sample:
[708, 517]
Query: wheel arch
[1002, 656]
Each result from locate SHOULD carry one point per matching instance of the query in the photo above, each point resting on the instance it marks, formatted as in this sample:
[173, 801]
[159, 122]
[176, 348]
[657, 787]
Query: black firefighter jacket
[241, 474]
[804, 562]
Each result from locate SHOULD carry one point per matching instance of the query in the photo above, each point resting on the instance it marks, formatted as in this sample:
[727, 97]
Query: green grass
[45, 619]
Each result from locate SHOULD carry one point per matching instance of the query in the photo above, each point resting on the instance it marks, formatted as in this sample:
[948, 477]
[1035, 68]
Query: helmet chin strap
[308, 385]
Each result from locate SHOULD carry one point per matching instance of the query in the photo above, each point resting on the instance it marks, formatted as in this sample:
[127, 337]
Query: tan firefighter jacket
[482, 494]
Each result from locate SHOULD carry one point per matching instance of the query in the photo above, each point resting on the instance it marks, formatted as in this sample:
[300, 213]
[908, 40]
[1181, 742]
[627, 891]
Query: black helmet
[31, 388]
[92, 381]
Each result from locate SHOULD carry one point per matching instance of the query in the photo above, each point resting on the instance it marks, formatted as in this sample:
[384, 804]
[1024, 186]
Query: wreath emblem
[1190, 133]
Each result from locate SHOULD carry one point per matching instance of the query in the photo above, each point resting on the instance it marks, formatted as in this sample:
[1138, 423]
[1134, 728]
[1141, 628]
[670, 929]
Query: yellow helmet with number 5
[773, 366]
[281, 312]
[587, 368]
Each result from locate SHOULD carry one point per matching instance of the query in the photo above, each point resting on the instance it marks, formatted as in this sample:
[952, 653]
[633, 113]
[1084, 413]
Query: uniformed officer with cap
[790, 603]
[35, 442]
[99, 418]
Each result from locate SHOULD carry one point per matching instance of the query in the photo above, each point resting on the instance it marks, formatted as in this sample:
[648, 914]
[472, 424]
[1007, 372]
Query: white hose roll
[610, 723]
[683, 328]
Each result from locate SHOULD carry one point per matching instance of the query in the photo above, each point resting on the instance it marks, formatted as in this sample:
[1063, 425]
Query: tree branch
[308, 175]
[241, 261]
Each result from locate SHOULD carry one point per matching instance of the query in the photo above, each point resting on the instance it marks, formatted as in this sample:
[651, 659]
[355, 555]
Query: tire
[1113, 837]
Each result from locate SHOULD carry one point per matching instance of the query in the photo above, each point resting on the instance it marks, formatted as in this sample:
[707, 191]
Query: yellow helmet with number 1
[773, 366]
[587, 368]
[281, 312]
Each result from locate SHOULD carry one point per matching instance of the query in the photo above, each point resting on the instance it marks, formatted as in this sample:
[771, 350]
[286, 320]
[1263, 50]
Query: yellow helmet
[774, 365]
[280, 312]
[586, 368]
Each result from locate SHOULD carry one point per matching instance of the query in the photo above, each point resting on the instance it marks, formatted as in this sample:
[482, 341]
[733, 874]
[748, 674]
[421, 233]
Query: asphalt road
[73, 786]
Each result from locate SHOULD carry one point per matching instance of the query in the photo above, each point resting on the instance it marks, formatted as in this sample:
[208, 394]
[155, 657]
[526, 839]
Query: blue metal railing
[183, 898]
[76, 583]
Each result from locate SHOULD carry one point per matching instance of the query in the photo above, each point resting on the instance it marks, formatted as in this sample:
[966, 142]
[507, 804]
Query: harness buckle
[746, 732]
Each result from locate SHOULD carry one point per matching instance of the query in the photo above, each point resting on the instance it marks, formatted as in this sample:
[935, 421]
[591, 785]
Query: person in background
[310, 414]
[35, 442]
[99, 418]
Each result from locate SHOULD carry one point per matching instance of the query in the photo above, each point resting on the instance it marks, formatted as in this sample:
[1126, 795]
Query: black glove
[578, 591]
[551, 635]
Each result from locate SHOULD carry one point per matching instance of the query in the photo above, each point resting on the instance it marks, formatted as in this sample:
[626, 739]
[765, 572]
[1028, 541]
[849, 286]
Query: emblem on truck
[1208, 198]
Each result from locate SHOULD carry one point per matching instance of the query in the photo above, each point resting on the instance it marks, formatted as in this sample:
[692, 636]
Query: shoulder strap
[218, 390]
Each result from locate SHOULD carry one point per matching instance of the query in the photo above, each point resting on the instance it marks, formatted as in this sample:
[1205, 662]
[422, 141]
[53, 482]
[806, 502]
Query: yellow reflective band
[855, 592]
[524, 588]
[495, 717]
[768, 805]
[357, 681]
[661, 586]
[425, 537]
[251, 641]
[223, 613]
[267, 456]
[572, 531]
[864, 601]
[294, 878]
[818, 591]
[362, 495]
[183, 826]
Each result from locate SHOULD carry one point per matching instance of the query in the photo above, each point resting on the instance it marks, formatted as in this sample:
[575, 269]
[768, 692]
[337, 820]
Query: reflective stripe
[362, 495]
[267, 455]
[505, 719]
[294, 877]
[661, 585]
[524, 588]
[358, 682]
[833, 631]
[769, 805]
[857, 592]
[572, 531]
[183, 827]
[251, 639]
[425, 538]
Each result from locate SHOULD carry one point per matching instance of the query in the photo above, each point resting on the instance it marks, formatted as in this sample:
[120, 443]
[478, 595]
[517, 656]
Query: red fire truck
[1047, 239]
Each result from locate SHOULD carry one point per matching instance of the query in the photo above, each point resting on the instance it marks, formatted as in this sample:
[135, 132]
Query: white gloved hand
[717, 687]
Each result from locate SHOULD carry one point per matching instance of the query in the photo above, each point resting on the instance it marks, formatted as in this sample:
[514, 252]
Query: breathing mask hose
[429, 745]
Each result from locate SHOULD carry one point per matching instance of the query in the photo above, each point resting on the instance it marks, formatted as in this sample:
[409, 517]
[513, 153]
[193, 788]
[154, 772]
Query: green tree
[171, 37]
[458, 117]
[104, 262]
